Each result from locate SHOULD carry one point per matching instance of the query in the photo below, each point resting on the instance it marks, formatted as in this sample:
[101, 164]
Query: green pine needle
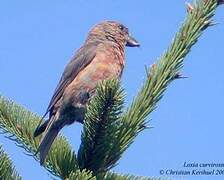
[162, 73]
[103, 142]
[100, 127]
[108, 131]
[115, 176]
[18, 124]
[7, 170]
[81, 175]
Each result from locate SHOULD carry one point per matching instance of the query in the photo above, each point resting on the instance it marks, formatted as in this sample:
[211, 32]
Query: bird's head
[113, 31]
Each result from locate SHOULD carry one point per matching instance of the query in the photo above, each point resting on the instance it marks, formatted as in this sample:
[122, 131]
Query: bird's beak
[132, 42]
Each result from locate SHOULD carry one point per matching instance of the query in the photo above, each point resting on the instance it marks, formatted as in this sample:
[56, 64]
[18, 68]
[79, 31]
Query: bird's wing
[81, 59]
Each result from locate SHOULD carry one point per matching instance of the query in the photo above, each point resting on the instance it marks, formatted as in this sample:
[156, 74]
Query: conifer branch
[113, 176]
[163, 72]
[81, 175]
[18, 124]
[7, 170]
[100, 151]
[100, 127]
[107, 132]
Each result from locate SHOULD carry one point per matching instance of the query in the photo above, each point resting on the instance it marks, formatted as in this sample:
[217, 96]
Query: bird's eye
[121, 27]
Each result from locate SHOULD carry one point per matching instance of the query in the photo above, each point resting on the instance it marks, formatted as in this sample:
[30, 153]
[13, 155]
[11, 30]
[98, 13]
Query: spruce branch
[100, 151]
[100, 125]
[18, 124]
[163, 72]
[7, 170]
[61, 160]
[81, 175]
[112, 176]
[167, 69]
[107, 132]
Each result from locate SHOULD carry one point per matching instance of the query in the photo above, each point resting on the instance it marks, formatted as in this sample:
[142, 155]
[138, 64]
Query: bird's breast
[108, 63]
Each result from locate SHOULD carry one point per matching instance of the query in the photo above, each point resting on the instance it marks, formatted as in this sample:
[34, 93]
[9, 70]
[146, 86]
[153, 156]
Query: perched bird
[101, 57]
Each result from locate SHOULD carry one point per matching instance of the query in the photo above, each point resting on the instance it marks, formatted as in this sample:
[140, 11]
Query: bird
[101, 57]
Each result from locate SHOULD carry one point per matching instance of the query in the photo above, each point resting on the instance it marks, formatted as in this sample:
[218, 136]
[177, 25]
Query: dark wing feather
[81, 59]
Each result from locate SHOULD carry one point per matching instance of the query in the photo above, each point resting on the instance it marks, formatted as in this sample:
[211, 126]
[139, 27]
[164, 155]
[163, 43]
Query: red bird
[101, 57]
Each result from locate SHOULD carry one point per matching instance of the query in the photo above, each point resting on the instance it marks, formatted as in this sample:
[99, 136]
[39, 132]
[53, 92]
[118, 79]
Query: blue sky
[39, 37]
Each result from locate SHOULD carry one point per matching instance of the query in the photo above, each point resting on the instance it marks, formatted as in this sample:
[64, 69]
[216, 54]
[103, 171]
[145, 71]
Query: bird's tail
[40, 128]
[50, 133]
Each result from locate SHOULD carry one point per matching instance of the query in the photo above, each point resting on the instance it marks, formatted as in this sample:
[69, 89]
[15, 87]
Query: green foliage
[87, 175]
[108, 130]
[162, 74]
[61, 160]
[113, 176]
[100, 127]
[81, 175]
[18, 124]
[125, 128]
[7, 171]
